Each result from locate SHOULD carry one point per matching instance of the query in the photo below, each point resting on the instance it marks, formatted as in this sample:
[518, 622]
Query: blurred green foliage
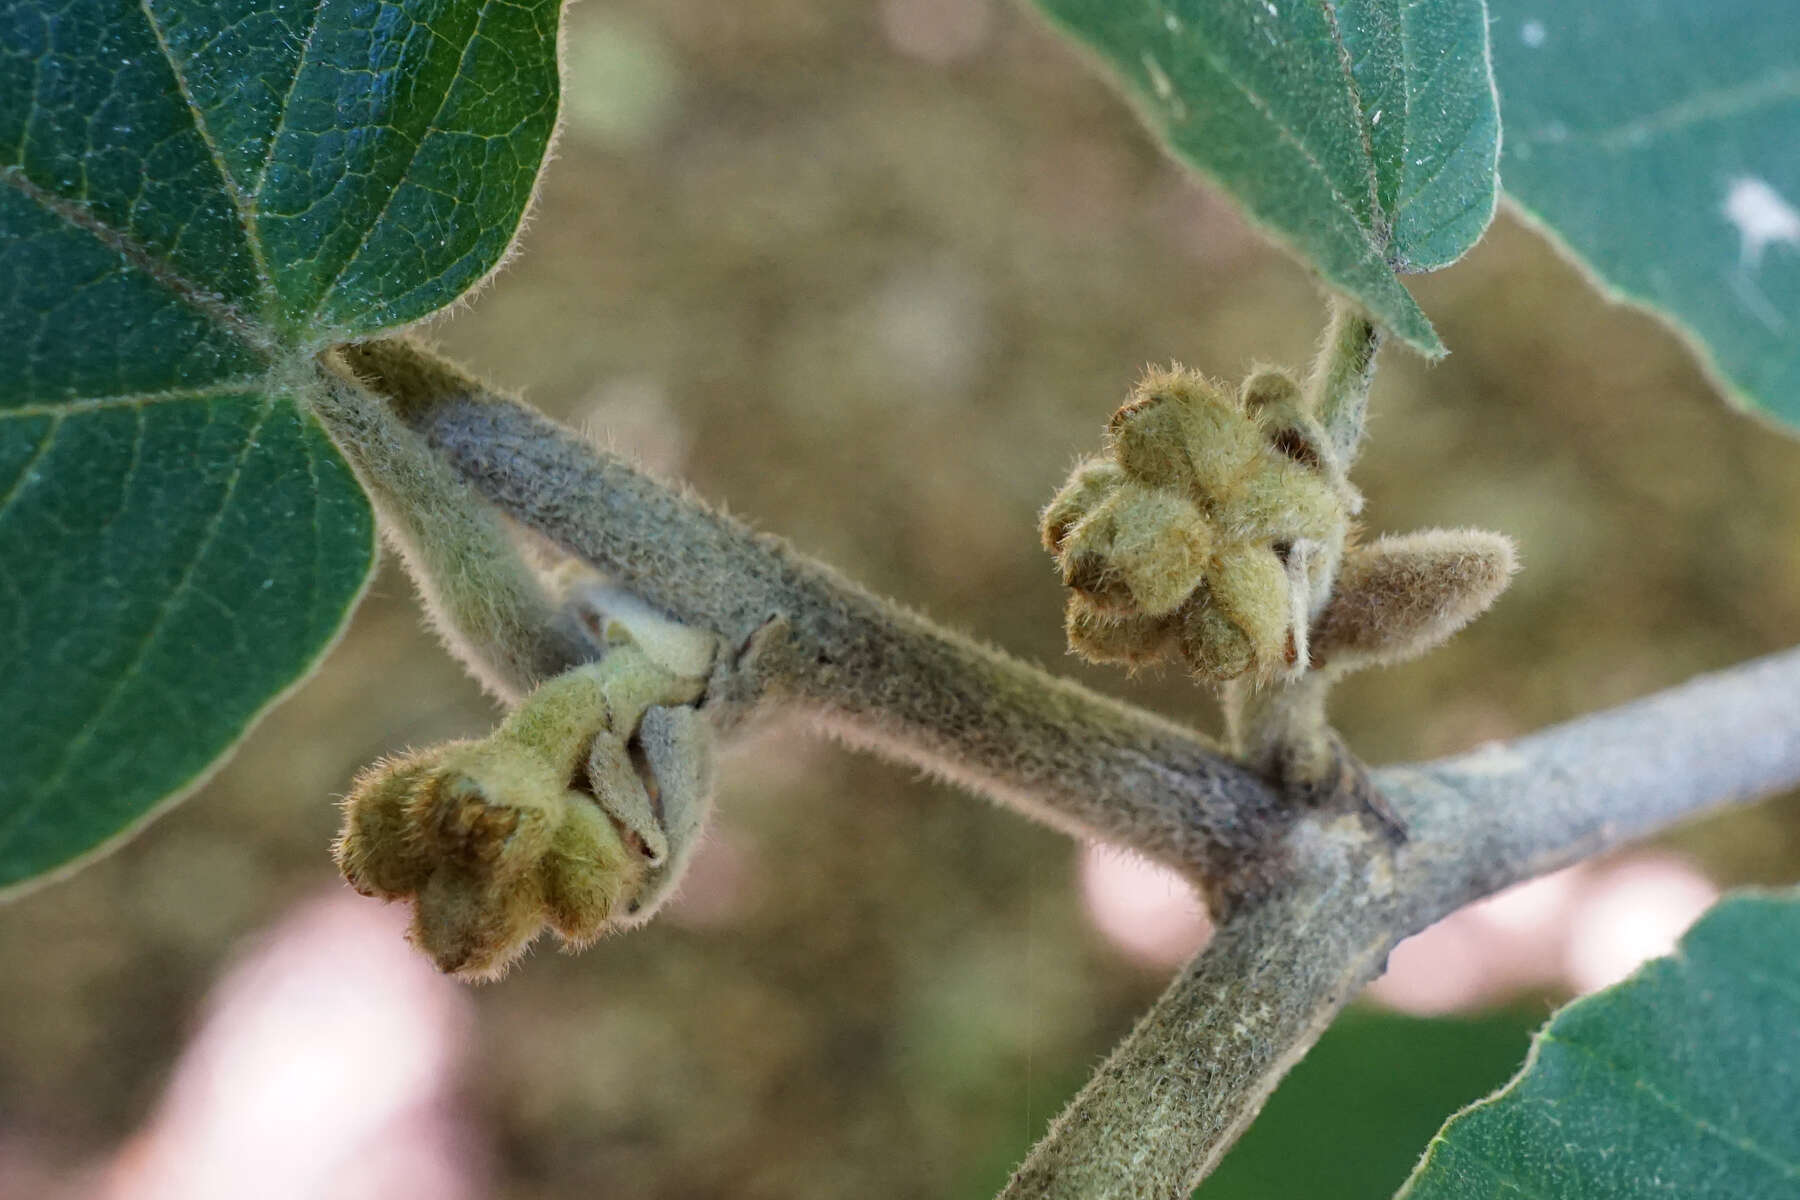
[1670, 174]
[1355, 1115]
[877, 300]
[1352, 1119]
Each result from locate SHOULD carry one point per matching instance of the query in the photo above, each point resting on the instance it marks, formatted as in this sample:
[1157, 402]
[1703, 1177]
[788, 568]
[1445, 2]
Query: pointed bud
[1401, 596]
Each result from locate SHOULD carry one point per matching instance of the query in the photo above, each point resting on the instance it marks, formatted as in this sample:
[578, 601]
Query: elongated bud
[677, 750]
[1401, 596]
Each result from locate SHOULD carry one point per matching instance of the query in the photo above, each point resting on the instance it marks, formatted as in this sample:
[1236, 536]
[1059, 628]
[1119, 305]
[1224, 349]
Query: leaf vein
[400, 180]
[79, 742]
[209, 304]
[1733, 1138]
[1702, 108]
[1365, 130]
[287, 96]
[239, 202]
[1287, 135]
[43, 448]
[223, 387]
[1444, 164]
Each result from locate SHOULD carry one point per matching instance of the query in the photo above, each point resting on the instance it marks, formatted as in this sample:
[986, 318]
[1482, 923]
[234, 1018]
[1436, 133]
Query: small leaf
[195, 198]
[1364, 134]
[1671, 173]
[1683, 1081]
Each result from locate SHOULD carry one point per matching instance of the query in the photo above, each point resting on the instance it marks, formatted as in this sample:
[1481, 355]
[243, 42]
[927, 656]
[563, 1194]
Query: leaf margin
[222, 756]
[1543, 1036]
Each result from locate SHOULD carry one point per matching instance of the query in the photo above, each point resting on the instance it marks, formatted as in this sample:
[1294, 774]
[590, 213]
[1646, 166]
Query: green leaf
[1656, 143]
[1683, 1081]
[197, 196]
[171, 567]
[1362, 133]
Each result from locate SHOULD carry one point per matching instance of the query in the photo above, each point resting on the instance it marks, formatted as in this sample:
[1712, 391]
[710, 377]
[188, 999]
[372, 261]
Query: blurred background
[873, 274]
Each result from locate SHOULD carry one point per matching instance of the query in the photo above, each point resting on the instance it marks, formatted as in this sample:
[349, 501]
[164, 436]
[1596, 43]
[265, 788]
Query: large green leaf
[1362, 133]
[1683, 1081]
[1660, 144]
[196, 196]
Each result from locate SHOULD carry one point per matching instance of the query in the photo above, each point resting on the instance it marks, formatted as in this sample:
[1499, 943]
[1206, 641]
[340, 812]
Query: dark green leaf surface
[195, 197]
[1660, 144]
[219, 541]
[1362, 133]
[1683, 1081]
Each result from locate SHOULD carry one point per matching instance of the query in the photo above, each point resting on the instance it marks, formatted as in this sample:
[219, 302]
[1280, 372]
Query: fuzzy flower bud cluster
[1207, 530]
[576, 813]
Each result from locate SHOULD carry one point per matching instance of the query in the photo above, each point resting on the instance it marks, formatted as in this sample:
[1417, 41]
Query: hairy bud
[577, 813]
[1401, 596]
[1182, 542]
[1214, 531]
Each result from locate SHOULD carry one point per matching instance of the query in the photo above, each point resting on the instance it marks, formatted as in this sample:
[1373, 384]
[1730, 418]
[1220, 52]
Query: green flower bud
[1148, 436]
[1213, 534]
[1270, 387]
[547, 821]
[1130, 641]
[1090, 483]
[1211, 644]
[1213, 491]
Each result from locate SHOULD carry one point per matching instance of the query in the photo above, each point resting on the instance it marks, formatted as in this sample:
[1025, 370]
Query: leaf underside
[1683, 1081]
[1660, 144]
[1363, 134]
[195, 198]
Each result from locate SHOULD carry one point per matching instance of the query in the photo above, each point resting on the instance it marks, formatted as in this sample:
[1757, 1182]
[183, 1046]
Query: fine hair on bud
[1179, 542]
[1400, 596]
[576, 814]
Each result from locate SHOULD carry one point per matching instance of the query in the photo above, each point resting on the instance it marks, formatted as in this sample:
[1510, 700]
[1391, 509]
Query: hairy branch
[489, 607]
[878, 675]
[1173, 1097]
[1331, 895]
[1342, 376]
[1512, 811]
